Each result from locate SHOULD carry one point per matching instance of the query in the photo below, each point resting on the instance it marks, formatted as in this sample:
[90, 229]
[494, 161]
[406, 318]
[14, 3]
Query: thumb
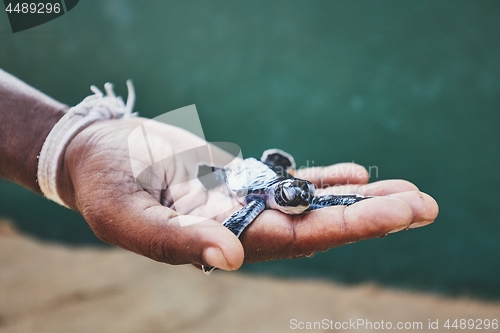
[139, 223]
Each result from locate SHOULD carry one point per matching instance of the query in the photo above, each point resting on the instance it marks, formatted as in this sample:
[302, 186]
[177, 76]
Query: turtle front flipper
[240, 220]
[335, 200]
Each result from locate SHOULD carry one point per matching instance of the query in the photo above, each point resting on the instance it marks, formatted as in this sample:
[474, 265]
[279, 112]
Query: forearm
[26, 118]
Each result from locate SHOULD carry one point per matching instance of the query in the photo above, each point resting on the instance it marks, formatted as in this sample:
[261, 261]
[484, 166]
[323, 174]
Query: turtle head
[293, 196]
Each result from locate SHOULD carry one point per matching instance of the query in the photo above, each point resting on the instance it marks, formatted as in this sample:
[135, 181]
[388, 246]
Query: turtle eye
[290, 192]
[310, 188]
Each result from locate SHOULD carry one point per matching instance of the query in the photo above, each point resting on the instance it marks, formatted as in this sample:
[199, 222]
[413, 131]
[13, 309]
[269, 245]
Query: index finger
[340, 173]
[274, 235]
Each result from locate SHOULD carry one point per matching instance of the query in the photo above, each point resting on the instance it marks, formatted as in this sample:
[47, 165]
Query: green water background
[410, 87]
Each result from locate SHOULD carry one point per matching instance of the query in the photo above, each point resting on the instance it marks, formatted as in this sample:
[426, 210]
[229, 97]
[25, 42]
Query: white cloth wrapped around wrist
[94, 107]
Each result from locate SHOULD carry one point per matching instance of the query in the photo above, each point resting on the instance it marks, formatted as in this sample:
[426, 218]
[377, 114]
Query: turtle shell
[251, 177]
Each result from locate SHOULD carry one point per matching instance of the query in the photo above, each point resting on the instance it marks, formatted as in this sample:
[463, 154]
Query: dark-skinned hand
[97, 179]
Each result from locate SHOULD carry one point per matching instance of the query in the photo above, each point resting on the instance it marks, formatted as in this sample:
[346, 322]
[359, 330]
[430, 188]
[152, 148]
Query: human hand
[97, 179]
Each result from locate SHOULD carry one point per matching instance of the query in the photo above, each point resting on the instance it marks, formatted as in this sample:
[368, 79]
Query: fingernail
[213, 256]
[419, 224]
[398, 229]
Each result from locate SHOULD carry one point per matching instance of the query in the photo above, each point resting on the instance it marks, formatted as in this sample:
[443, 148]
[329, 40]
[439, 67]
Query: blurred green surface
[411, 87]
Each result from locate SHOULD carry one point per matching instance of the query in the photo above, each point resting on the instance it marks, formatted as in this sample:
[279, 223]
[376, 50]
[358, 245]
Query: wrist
[53, 174]
[27, 118]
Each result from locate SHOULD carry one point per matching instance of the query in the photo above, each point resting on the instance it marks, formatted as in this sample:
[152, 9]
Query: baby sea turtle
[267, 184]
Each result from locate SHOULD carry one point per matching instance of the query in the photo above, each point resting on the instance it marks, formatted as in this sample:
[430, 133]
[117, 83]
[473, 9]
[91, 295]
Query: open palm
[167, 215]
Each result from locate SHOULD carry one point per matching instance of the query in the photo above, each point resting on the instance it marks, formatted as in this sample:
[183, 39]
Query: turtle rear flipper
[239, 220]
[279, 161]
[335, 200]
[211, 176]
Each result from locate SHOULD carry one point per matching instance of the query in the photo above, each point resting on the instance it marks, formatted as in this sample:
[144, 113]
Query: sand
[53, 288]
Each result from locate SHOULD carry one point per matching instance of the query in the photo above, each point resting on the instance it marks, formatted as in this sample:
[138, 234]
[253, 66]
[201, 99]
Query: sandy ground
[53, 288]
